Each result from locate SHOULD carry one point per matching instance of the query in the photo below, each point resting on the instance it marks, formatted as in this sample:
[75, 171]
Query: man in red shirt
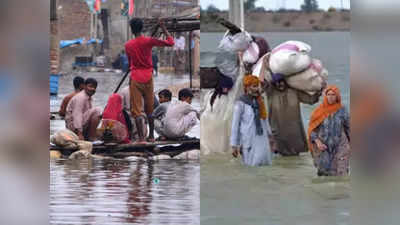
[139, 55]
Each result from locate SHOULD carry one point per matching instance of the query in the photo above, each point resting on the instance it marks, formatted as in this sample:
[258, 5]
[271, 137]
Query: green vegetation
[310, 6]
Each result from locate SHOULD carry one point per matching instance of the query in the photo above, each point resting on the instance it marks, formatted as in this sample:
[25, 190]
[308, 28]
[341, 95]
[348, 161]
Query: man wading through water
[284, 114]
[250, 128]
[139, 52]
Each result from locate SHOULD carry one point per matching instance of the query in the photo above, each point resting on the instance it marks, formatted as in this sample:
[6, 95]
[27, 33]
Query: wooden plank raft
[141, 150]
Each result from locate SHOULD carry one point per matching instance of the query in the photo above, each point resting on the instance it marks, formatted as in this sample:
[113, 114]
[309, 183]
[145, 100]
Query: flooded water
[289, 191]
[124, 192]
[128, 191]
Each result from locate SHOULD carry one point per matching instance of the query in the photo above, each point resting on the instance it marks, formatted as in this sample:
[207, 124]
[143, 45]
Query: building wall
[74, 19]
[54, 47]
[74, 22]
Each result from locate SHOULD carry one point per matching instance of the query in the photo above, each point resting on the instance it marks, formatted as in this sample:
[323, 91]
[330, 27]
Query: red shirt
[138, 51]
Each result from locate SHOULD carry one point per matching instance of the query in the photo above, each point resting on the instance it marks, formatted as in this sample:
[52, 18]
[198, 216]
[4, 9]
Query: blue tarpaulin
[54, 84]
[91, 41]
[66, 43]
[79, 41]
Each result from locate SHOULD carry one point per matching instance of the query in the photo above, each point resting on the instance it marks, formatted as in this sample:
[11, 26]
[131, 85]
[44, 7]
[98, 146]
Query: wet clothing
[285, 119]
[64, 104]
[255, 148]
[139, 55]
[80, 112]
[248, 81]
[333, 132]
[330, 123]
[113, 113]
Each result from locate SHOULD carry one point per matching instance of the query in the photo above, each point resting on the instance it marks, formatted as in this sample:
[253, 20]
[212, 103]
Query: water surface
[128, 191]
[288, 192]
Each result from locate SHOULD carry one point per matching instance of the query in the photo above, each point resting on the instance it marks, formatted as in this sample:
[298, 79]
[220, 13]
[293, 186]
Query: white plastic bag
[302, 47]
[64, 138]
[256, 70]
[227, 64]
[235, 43]
[251, 54]
[290, 57]
[311, 80]
[227, 56]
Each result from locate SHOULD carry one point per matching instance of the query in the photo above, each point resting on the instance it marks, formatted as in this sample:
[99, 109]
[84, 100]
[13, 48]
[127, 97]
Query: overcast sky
[277, 4]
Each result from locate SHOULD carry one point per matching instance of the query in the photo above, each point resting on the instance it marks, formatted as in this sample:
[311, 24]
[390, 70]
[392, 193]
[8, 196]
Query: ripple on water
[118, 192]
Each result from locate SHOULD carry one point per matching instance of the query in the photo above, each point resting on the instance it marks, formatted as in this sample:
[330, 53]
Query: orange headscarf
[323, 111]
[249, 80]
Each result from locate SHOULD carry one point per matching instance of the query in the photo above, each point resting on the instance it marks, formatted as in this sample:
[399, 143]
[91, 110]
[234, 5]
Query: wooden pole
[236, 13]
[91, 26]
[190, 59]
[127, 28]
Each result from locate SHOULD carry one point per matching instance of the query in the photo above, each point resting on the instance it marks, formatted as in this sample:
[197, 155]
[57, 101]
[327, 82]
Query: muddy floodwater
[288, 192]
[127, 191]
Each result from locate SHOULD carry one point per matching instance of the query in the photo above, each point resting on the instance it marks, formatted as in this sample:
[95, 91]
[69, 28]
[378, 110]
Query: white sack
[311, 80]
[290, 57]
[64, 138]
[235, 43]
[256, 70]
[251, 54]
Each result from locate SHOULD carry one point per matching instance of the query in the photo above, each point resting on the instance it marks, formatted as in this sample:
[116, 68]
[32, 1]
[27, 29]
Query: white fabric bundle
[68, 139]
[290, 57]
[257, 70]
[64, 138]
[251, 54]
[311, 80]
[235, 43]
[227, 56]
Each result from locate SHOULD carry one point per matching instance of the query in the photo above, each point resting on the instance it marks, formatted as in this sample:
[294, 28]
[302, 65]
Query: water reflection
[123, 191]
[139, 198]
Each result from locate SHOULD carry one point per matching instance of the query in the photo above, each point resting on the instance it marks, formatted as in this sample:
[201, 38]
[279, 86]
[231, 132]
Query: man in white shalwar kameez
[180, 117]
[250, 128]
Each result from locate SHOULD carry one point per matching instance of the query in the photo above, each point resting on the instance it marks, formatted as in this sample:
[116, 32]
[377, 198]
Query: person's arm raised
[163, 28]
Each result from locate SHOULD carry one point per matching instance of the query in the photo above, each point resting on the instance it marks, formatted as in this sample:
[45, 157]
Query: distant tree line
[250, 6]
